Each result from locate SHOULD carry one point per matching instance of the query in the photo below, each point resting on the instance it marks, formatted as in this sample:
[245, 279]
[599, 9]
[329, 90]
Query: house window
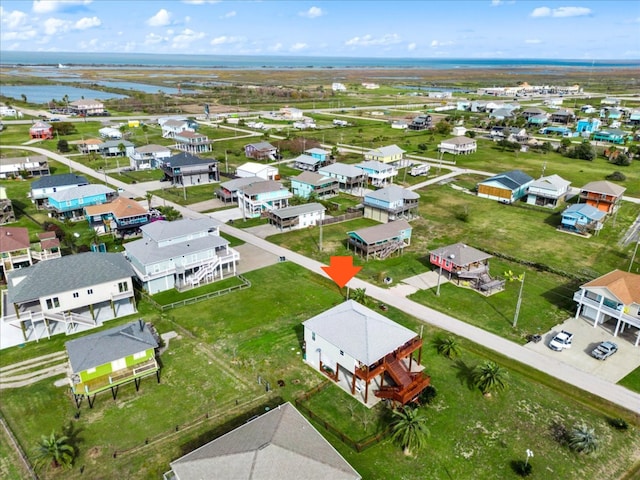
[139, 355]
[76, 294]
[313, 336]
[90, 291]
[92, 370]
[123, 287]
[53, 303]
[341, 353]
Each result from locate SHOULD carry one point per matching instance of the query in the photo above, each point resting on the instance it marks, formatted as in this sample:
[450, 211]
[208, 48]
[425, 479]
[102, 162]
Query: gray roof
[533, 110]
[359, 331]
[462, 254]
[152, 148]
[461, 140]
[382, 232]
[279, 445]
[555, 181]
[81, 192]
[603, 186]
[113, 344]
[512, 179]
[392, 193]
[387, 151]
[261, 146]
[61, 180]
[312, 178]
[115, 144]
[374, 165]
[342, 169]
[22, 160]
[318, 150]
[147, 251]
[71, 272]
[183, 159]
[163, 230]
[297, 210]
[306, 159]
[172, 122]
[237, 183]
[262, 187]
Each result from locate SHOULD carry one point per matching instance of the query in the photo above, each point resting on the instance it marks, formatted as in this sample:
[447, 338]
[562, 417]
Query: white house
[148, 156]
[338, 87]
[297, 216]
[86, 106]
[378, 173]
[172, 127]
[548, 191]
[388, 154]
[614, 297]
[180, 254]
[458, 145]
[252, 169]
[8, 112]
[291, 113]
[67, 293]
[111, 133]
[356, 344]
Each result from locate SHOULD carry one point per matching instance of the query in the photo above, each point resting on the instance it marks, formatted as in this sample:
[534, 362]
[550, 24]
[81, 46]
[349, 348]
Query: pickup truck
[604, 350]
[561, 341]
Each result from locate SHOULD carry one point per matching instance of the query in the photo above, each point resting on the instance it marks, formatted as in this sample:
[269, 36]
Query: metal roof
[584, 209]
[342, 169]
[184, 159]
[359, 331]
[312, 178]
[512, 179]
[387, 151]
[113, 344]
[81, 192]
[297, 210]
[63, 274]
[382, 232]
[556, 181]
[59, 181]
[162, 230]
[147, 251]
[460, 254]
[391, 193]
[279, 445]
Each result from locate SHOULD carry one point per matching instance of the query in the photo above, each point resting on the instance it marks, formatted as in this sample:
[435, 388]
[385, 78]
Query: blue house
[318, 153]
[582, 218]
[259, 197]
[382, 240]
[589, 125]
[540, 119]
[70, 203]
[307, 162]
[505, 187]
[390, 203]
[378, 173]
[308, 183]
[123, 216]
[611, 135]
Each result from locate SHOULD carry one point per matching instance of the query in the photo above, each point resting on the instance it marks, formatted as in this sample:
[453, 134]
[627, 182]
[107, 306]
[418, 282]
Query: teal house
[311, 183]
[110, 358]
[70, 203]
[582, 218]
[611, 135]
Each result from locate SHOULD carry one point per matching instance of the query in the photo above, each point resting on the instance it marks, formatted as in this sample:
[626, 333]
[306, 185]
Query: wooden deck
[113, 379]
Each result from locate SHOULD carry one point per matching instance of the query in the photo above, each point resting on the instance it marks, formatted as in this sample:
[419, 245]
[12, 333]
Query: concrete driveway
[585, 339]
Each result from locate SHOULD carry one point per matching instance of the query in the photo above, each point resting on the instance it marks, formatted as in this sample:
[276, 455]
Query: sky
[541, 29]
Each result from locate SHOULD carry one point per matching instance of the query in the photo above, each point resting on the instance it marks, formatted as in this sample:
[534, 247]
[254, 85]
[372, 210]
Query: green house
[110, 358]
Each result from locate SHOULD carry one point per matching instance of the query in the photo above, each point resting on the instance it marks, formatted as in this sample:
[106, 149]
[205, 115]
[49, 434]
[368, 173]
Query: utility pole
[321, 218]
[635, 250]
[515, 318]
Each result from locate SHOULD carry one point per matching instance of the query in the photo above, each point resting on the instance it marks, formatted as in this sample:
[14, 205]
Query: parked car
[561, 341]
[604, 350]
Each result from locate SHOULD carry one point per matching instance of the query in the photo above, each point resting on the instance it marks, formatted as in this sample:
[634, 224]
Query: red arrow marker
[341, 270]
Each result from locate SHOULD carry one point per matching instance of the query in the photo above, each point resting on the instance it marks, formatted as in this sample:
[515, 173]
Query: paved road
[567, 373]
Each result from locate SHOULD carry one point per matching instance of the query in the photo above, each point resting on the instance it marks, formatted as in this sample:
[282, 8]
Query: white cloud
[275, 48]
[313, 12]
[437, 43]
[185, 38]
[49, 6]
[560, 12]
[199, 2]
[570, 12]
[296, 47]
[229, 14]
[53, 26]
[153, 39]
[26, 34]
[14, 19]
[369, 40]
[87, 22]
[495, 3]
[533, 41]
[160, 19]
[411, 47]
[222, 40]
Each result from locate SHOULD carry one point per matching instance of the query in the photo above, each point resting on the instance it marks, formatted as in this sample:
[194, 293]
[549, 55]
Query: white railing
[612, 312]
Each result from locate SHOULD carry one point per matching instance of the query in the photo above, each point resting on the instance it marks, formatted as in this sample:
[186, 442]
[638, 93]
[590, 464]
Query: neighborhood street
[547, 364]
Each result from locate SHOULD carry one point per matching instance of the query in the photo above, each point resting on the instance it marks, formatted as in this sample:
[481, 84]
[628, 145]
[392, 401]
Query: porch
[113, 379]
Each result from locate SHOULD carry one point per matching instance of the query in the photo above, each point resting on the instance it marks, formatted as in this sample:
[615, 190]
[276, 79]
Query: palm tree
[359, 295]
[489, 377]
[149, 197]
[409, 429]
[56, 450]
[582, 438]
[449, 347]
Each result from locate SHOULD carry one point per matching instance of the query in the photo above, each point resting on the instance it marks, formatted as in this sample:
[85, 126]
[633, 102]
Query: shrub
[582, 439]
[617, 176]
[427, 395]
[618, 423]
[522, 468]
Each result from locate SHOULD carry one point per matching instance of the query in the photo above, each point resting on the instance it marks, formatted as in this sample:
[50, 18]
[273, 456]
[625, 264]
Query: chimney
[141, 324]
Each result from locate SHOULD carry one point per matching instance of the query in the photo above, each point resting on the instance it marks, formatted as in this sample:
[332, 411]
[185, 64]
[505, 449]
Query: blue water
[46, 93]
[280, 62]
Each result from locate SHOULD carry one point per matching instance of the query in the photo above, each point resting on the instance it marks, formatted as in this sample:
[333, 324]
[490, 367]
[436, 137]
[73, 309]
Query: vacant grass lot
[227, 342]
[186, 196]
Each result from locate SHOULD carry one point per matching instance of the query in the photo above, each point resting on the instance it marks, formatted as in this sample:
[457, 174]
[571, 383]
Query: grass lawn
[632, 381]
[11, 466]
[194, 194]
[140, 176]
[172, 296]
[225, 343]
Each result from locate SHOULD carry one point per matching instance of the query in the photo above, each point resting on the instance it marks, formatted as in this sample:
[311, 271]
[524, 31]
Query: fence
[343, 217]
[358, 446]
[190, 301]
[18, 449]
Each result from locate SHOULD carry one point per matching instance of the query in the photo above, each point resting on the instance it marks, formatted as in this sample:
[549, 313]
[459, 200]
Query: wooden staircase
[407, 385]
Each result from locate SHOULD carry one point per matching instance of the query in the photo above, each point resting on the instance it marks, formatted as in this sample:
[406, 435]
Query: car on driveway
[561, 341]
[604, 350]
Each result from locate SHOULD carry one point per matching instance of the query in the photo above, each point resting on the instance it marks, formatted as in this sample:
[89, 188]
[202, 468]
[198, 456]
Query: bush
[617, 176]
[522, 468]
[427, 395]
[618, 423]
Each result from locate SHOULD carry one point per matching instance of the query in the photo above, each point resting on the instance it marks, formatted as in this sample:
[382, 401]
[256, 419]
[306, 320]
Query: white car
[561, 341]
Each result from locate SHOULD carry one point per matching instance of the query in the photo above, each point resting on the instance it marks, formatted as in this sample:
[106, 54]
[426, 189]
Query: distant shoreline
[10, 59]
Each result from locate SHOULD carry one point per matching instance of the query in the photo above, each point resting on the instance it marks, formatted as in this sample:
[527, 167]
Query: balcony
[607, 310]
[113, 379]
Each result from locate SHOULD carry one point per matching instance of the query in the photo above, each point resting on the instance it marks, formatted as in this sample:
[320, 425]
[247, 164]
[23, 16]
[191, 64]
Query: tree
[582, 438]
[24, 97]
[489, 377]
[63, 146]
[584, 151]
[359, 295]
[56, 450]
[449, 347]
[409, 429]
[121, 149]
[442, 127]
[546, 147]
[149, 197]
